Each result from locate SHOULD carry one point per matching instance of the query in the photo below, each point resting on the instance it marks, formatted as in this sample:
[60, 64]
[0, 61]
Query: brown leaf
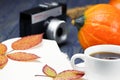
[22, 56]
[3, 49]
[48, 71]
[64, 75]
[27, 42]
[3, 61]
[69, 75]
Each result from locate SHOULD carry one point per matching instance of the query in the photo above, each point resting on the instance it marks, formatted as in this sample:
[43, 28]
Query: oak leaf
[22, 56]
[27, 42]
[3, 49]
[3, 61]
[50, 72]
[64, 75]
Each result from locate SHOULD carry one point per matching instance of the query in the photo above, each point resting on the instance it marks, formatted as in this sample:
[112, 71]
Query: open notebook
[49, 54]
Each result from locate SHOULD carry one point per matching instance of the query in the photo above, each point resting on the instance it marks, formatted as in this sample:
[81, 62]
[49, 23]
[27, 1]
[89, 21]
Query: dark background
[9, 20]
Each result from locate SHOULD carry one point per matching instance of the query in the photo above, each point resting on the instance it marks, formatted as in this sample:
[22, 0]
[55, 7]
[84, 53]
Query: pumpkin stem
[78, 22]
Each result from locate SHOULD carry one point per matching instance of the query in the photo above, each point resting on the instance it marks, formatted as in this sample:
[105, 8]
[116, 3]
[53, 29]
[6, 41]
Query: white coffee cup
[96, 68]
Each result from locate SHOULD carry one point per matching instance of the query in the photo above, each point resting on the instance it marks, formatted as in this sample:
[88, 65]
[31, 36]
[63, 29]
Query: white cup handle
[79, 56]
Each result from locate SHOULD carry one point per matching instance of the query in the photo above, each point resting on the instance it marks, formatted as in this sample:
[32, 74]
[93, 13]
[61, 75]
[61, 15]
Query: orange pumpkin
[101, 26]
[115, 3]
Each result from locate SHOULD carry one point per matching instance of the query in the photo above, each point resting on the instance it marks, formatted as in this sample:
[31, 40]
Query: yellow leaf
[48, 71]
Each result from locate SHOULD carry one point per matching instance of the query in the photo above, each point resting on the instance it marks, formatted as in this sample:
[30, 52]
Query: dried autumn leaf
[69, 75]
[3, 61]
[27, 42]
[64, 75]
[22, 56]
[3, 49]
[48, 71]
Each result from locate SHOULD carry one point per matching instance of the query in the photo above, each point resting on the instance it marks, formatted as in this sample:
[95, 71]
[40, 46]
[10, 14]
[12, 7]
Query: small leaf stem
[41, 75]
[9, 51]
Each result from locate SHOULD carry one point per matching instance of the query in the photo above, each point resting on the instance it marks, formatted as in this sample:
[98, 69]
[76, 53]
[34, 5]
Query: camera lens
[57, 30]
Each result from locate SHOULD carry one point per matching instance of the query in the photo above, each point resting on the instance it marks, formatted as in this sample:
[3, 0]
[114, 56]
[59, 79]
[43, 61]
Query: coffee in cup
[106, 55]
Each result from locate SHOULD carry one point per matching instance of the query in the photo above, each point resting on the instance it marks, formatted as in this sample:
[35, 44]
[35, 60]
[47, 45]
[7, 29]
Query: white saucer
[82, 66]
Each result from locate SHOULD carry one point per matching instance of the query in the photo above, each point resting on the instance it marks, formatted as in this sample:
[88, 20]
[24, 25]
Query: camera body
[47, 18]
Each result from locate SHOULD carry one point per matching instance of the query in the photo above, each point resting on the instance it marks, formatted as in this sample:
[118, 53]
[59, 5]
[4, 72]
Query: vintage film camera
[47, 18]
